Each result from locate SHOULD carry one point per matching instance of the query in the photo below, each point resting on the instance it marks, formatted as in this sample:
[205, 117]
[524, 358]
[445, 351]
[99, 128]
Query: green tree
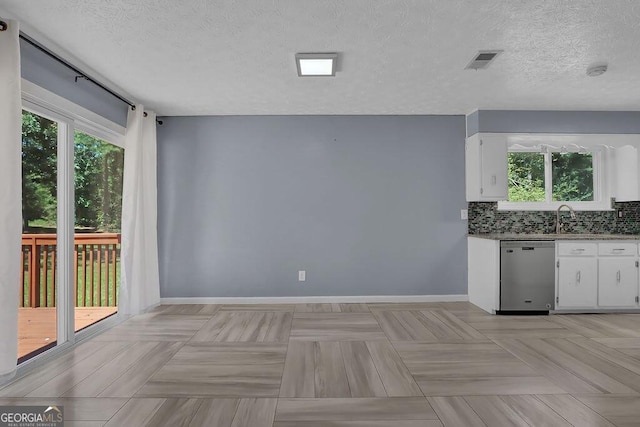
[98, 171]
[526, 177]
[572, 176]
[39, 158]
[98, 183]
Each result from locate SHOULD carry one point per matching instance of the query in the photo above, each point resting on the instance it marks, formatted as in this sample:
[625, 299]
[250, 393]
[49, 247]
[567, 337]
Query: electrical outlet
[302, 276]
[464, 214]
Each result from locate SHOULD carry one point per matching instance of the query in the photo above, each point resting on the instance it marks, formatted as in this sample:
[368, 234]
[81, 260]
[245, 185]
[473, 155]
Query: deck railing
[96, 272]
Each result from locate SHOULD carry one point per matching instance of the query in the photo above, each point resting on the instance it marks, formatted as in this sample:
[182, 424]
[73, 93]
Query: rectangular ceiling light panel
[316, 64]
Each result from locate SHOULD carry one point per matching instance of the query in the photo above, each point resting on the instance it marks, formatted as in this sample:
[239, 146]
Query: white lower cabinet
[577, 282]
[617, 282]
[597, 275]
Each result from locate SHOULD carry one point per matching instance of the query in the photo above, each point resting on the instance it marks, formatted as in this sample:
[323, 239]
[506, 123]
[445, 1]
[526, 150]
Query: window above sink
[546, 177]
[540, 172]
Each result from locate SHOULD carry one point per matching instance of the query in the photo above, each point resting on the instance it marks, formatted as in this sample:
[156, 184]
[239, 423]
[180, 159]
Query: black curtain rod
[80, 73]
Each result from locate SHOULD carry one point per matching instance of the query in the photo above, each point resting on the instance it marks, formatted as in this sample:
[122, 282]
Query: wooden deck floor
[37, 326]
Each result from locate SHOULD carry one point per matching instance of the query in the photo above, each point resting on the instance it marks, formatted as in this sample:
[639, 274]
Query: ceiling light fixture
[316, 64]
[597, 70]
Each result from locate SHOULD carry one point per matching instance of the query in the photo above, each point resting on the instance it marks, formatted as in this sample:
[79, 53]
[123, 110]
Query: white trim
[548, 177]
[594, 144]
[466, 128]
[316, 299]
[586, 139]
[65, 234]
[45, 112]
[93, 129]
[100, 326]
[552, 206]
[85, 120]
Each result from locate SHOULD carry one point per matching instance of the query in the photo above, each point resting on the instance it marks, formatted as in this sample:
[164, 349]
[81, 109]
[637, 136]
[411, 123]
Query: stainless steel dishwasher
[527, 276]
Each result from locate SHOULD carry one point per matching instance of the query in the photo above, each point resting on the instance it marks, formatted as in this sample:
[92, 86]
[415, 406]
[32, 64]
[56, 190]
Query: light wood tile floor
[346, 365]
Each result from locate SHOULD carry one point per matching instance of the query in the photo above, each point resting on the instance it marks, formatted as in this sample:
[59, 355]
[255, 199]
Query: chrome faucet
[558, 222]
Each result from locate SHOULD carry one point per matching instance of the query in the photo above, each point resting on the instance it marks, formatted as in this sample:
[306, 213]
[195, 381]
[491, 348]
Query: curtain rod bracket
[160, 122]
[146, 115]
[3, 26]
[75, 69]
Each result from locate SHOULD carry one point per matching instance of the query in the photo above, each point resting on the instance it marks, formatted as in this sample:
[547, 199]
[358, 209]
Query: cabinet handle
[577, 250]
[618, 276]
[494, 180]
[578, 277]
[618, 250]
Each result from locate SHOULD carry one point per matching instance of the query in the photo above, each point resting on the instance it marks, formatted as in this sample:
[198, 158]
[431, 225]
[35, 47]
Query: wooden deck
[37, 326]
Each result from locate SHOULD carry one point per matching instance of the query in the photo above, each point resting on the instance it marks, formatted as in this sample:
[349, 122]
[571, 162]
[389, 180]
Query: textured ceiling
[191, 57]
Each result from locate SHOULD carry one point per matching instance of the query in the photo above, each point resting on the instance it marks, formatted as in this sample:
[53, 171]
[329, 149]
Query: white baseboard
[319, 299]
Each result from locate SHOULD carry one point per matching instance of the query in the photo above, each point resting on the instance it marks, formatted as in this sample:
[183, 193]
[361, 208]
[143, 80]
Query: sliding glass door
[71, 208]
[98, 168]
[37, 312]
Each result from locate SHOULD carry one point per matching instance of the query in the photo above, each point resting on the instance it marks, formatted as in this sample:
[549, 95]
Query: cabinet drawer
[618, 249]
[576, 249]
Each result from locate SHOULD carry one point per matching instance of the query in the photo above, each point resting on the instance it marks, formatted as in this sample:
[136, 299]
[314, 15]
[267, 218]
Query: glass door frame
[70, 118]
[64, 227]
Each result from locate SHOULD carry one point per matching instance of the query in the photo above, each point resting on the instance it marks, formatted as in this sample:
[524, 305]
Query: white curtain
[10, 197]
[140, 285]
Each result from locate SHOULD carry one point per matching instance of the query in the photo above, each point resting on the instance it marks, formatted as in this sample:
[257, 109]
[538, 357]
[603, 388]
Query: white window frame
[70, 117]
[601, 198]
[82, 119]
[599, 144]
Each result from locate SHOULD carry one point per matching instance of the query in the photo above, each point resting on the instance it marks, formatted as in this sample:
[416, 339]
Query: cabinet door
[617, 282]
[625, 160]
[577, 282]
[493, 168]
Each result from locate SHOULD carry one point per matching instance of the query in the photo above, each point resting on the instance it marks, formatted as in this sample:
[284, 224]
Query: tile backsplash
[484, 217]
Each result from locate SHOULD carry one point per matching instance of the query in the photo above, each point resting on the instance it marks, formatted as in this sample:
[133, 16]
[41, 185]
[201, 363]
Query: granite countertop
[563, 236]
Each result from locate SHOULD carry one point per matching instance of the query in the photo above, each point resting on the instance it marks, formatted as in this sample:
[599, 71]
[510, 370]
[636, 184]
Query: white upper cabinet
[625, 170]
[486, 168]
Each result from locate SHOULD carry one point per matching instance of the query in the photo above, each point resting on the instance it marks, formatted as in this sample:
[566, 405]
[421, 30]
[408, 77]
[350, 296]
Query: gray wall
[366, 205]
[611, 122]
[46, 72]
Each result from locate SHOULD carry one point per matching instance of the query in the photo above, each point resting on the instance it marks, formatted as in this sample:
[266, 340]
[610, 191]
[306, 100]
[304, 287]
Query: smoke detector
[482, 59]
[597, 70]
